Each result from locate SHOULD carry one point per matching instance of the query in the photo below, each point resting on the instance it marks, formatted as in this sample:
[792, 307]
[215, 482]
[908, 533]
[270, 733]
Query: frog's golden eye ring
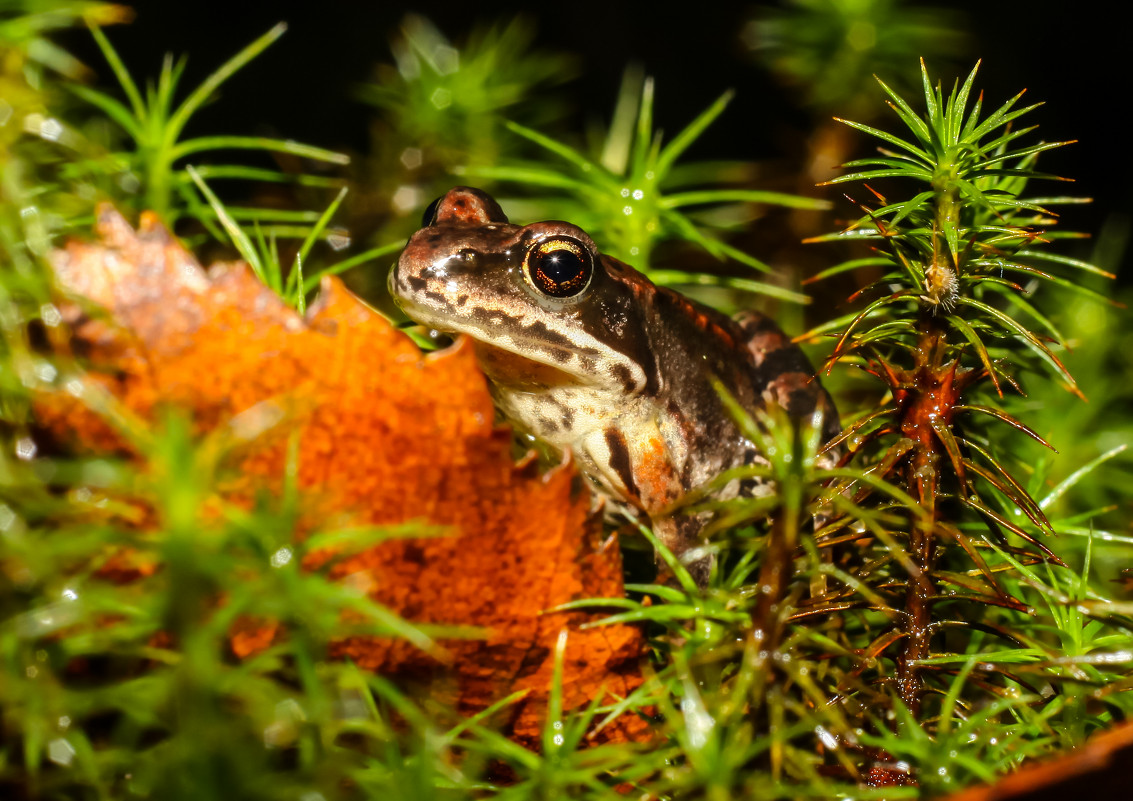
[559, 267]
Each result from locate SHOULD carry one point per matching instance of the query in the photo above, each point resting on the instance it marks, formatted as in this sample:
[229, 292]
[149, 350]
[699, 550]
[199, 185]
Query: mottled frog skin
[586, 353]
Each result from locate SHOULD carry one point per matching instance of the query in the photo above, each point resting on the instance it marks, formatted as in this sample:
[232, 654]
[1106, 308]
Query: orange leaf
[386, 435]
[1098, 768]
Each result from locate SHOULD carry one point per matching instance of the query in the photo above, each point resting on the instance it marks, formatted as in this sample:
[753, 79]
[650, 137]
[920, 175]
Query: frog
[586, 354]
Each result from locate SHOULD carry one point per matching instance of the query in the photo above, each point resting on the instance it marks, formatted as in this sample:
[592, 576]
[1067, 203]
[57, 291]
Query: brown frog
[584, 352]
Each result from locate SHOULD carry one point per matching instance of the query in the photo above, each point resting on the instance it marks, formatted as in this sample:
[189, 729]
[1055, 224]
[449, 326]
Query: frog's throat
[523, 360]
[585, 359]
[520, 373]
[526, 362]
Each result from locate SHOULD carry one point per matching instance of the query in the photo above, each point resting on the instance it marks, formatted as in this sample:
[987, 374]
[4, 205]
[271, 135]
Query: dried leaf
[386, 436]
[1098, 769]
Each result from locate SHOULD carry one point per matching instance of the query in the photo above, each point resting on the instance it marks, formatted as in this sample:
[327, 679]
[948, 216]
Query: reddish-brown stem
[927, 394]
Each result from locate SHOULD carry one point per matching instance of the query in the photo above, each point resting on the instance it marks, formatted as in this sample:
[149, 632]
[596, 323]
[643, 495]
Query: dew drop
[281, 557]
[61, 752]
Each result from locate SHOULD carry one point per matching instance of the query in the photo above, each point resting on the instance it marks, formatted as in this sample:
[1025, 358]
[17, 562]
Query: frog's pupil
[430, 215]
[562, 266]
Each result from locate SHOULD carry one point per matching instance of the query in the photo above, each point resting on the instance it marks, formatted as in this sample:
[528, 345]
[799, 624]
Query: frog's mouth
[530, 353]
[550, 352]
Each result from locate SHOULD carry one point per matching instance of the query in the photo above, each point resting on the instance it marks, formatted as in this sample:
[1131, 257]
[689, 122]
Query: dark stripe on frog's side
[659, 323]
[707, 341]
[750, 355]
[783, 368]
[802, 394]
[780, 362]
[620, 461]
[801, 402]
[541, 333]
[625, 375]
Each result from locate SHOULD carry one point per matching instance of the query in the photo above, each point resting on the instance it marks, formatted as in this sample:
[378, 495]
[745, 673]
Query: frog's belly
[629, 448]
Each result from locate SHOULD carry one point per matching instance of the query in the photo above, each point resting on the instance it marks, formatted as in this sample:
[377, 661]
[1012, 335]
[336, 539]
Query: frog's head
[540, 292]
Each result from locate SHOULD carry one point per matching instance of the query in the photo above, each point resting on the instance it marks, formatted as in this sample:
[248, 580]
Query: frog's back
[749, 355]
[677, 434]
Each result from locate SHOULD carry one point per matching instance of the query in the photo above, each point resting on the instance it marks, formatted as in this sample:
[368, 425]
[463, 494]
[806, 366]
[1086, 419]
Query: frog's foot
[699, 568]
[681, 535]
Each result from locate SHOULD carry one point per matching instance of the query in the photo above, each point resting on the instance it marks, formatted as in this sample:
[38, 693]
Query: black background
[1073, 56]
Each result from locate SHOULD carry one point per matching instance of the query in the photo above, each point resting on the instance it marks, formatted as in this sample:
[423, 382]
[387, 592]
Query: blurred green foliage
[829, 50]
[636, 194]
[780, 693]
[448, 102]
[153, 123]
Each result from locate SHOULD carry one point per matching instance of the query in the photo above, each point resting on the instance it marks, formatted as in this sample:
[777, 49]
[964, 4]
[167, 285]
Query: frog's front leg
[637, 465]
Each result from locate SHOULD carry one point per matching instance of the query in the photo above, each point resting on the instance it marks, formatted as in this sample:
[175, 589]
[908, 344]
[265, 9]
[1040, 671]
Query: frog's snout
[393, 283]
[401, 282]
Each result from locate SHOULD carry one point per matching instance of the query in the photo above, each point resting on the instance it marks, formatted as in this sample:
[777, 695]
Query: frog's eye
[430, 215]
[560, 267]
